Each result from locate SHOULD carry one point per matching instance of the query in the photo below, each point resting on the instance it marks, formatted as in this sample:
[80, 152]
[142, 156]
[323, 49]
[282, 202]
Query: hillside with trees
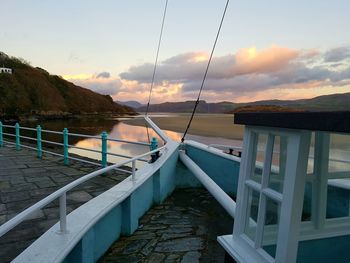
[33, 91]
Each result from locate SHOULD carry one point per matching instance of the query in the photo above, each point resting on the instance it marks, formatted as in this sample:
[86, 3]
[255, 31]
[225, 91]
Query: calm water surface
[340, 144]
[115, 129]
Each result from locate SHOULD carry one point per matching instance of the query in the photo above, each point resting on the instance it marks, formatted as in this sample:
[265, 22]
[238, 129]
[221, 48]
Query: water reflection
[139, 134]
[124, 132]
[339, 144]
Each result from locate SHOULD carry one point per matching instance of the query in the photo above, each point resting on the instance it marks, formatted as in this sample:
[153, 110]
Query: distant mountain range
[334, 102]
[33, 91]
[130, 103]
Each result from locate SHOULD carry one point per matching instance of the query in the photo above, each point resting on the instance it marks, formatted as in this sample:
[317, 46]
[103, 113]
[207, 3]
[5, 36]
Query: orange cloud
[73, 77]
[99, 82]
[249, 74]
[249, 60]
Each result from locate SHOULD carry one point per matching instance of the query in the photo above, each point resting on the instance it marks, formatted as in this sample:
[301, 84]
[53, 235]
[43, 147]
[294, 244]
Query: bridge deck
[182, 229]
[25, 179]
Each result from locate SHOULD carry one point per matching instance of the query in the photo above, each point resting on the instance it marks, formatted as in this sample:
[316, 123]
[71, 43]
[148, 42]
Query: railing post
[18, 143]
[65, 146]
[154, 145]
[133, 170]
[104, 149]
[63, 213]
[38, 141]
[1, 136]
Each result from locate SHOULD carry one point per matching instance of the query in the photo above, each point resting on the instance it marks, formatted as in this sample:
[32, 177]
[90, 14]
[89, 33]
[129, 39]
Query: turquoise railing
[1, 136]
[39, 143]
[65, 143]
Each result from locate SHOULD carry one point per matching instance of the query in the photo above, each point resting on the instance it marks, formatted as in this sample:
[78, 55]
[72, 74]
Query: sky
[274, 49]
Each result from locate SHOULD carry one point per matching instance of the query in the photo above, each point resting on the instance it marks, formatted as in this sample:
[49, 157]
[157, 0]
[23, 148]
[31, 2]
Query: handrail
[54, 132]
[103, 137]
[82, 148]
[79, 135]
[220, 195]
[237, 148]
[224, 199]
[109, 139]
[125, 156]
[222, 146]
[61, 193]
[84, 135]
[27, 128]
[131, 142]
[160, 133]
[8, 126]
[9, 134]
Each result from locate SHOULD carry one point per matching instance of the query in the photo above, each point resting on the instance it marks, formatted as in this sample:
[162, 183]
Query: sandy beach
[213, 125]
[216, 125]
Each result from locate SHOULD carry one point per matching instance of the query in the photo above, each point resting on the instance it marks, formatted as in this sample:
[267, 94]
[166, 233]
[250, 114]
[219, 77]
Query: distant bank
[213, 125]
[334, 102]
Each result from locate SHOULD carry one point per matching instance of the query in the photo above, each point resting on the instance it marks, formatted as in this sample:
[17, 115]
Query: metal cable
[206, 72]
[156, 61]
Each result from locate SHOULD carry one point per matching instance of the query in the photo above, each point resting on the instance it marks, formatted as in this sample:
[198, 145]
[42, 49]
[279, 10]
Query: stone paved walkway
[25, 179]
[183, 229]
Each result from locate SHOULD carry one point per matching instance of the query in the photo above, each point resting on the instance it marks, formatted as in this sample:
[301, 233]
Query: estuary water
[119, 128]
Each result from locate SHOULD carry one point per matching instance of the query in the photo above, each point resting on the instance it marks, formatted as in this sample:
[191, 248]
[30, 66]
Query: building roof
[338, 121]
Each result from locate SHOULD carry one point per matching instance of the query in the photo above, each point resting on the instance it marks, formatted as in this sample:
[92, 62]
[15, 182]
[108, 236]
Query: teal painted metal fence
[18, 142]
[1, 136]
[65, 136]
[65, 146]
[38, 140]
[104, 149]
[153, 146]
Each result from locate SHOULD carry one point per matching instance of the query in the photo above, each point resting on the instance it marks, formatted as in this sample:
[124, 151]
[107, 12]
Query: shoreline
[53, 117]
[206, 125]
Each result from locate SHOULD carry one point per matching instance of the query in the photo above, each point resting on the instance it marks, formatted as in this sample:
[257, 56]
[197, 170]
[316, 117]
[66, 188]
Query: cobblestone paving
[183, 229]
[25, 179]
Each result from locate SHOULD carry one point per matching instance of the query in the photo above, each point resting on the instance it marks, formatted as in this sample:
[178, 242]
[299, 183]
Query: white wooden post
[293, 196]
[264, 184]
[63, 213]
[246, 168]
[133, 170]
[320, 186]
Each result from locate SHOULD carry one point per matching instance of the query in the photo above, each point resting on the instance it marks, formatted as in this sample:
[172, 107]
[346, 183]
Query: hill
[187, 106]
[264, 108]
[130, 103]
[33, 91]
[334, 102]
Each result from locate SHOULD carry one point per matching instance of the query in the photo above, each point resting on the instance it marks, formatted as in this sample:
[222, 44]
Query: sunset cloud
[186, 66]
[104, 75]
[337, 54]
[249, 73]
[101, 83]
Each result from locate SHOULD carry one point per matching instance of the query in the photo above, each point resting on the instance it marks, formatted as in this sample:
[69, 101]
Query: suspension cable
[156, 61]
[206, 72]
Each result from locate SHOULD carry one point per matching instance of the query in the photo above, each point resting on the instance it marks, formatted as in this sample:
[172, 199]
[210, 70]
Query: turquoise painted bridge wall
[98, 239]
[334, 249]
[337, 201]
[164, 181]
[123, 219]
[185, 178]
[223, 171]
[136, 205]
